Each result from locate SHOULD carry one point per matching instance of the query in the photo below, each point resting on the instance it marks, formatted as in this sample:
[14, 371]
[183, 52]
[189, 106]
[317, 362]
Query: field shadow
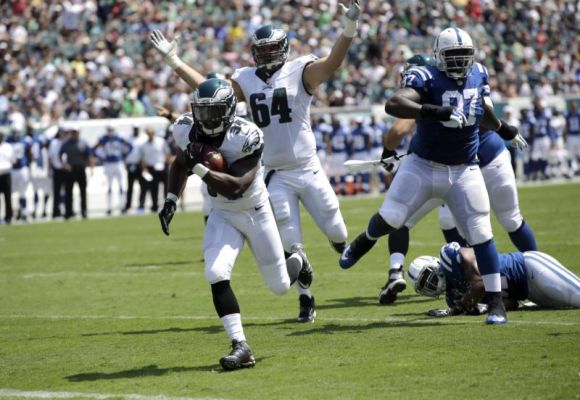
[330, 329]
[206, 329]
[148, 370]
[368, 301]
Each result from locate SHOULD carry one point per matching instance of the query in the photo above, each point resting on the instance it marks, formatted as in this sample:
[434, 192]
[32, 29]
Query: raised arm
[192, 77]
[320, 70]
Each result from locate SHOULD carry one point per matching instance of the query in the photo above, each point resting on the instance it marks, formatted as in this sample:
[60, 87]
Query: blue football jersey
[438, 141]
[358, 138]
[377, 130]
[339, 141]
[542, 124]
[512, 271]
[573, 121]
[490, 146]
[114, 148]
[21, 147]
[38, 142]
[526, 123]
[320, 130]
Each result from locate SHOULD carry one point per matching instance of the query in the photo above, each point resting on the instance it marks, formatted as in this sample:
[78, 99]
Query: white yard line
[454, 320]
[22, 394]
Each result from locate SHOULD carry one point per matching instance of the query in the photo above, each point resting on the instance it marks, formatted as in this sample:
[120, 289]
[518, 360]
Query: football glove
[456, 120]
[350, 19]
[193, 155]
[166, 215]
[389, 165]
[519, 142]
[167, 49]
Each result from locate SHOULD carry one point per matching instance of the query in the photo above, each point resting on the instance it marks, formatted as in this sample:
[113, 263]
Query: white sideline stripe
[21, 394]
[457, 320]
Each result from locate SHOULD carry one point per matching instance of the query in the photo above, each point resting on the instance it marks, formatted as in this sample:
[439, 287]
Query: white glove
[166, 49]
[519, 142]
[456, 120]
[350, 18]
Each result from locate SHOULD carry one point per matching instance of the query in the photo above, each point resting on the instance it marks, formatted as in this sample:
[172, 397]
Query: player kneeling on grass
[240, 207]
[531, 275]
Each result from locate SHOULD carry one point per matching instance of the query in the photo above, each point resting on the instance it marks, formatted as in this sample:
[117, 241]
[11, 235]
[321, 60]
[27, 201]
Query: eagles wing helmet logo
[252, 141]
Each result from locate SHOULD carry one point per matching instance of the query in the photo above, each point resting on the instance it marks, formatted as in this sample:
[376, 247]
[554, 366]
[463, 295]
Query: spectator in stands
[155, 154]
[75, 155]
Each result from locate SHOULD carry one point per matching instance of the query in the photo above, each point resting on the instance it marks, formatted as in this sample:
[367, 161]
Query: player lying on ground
[240, 208]
[530, 275]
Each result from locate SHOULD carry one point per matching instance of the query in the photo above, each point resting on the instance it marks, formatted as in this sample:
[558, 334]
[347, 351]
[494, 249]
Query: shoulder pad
[181, 128]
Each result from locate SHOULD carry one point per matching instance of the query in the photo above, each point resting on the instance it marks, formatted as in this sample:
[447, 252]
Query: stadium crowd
[91, 59]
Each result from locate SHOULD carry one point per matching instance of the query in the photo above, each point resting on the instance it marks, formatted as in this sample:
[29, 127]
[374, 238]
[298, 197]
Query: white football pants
[287, 188]
[550, 284]
[224, 238]
[461, 187]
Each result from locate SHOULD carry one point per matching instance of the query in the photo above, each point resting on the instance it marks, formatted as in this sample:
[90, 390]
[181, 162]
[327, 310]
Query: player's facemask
[457, 63]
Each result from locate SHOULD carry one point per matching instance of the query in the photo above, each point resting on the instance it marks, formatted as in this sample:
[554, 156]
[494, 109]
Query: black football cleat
[305, 275]
[241, 356]
[307, 309]
[496, 314]
[394, 285]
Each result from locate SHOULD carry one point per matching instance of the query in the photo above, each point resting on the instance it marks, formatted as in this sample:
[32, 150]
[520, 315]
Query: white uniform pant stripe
[555, 266]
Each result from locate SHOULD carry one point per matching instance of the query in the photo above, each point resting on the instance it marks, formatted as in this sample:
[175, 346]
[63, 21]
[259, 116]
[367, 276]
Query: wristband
[506, 131]
[200, 170]
[350, 28]
[173, 61]
[171, 197]
[429, 111]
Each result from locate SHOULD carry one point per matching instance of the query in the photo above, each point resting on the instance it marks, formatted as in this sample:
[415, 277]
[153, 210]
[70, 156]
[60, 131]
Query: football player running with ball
[240, 208]
[279, 93]
[449, 102]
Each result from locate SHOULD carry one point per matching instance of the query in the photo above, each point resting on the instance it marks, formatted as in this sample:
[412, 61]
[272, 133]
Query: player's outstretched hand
[353, 10]
[519, 142]
[166, 215]
[167, 49]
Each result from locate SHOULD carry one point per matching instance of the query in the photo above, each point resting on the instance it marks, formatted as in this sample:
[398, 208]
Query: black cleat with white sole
[241, 356]
[307, 309]
[394, 285]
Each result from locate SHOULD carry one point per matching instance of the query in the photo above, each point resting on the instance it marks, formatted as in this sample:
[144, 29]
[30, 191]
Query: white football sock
[397, 260]
[492, 282]
[233, 326]
[301, 290]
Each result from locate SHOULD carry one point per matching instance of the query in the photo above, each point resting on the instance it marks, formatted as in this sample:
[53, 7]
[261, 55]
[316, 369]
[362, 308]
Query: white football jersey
[242, 139]
[280, 106]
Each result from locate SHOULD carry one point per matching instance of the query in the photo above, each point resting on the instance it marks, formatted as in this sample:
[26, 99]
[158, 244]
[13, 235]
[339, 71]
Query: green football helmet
[420, 60]
[214, 107]
[270, 47]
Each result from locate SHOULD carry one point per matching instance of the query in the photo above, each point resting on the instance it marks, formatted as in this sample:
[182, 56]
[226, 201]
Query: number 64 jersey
[241, 140]
[280, 106]
[435, 140]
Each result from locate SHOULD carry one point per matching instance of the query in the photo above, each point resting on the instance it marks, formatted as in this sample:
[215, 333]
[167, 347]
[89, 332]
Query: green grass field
[107, 309]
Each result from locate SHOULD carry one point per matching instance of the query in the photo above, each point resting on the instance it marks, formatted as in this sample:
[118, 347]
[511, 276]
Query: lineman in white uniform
[279, 94]
[240, 209]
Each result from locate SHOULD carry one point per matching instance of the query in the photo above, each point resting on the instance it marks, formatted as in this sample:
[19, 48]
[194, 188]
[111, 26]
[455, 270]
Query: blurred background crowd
[80, 59]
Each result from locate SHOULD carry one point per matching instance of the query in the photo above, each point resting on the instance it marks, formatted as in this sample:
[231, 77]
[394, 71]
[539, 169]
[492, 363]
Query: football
[212, 157]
